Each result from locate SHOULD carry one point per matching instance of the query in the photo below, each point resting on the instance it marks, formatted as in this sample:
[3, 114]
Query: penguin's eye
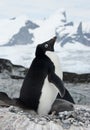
[46, 45]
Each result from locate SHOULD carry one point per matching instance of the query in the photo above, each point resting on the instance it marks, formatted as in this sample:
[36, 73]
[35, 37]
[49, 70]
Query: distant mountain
[65, 30]
[24, 36]
[69, 33]
[83, 37]
[20, 31]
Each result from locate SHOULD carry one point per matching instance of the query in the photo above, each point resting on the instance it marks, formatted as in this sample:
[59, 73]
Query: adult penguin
[41, 84]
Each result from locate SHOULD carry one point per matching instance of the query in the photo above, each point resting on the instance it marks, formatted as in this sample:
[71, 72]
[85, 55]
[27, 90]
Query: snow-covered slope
[15, 31]
[72, 45]
[66, 31]
[8, 27]
[49, 26]
[74, 33]
[21, 30]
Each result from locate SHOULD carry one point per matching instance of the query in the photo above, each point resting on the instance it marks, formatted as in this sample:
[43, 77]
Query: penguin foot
[53, 113]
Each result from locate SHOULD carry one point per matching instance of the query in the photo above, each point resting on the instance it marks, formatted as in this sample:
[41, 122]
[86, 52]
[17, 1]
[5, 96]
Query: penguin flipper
[66, 97]
[53, 78]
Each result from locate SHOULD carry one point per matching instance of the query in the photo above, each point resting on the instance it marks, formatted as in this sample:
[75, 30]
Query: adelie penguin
[42, 84]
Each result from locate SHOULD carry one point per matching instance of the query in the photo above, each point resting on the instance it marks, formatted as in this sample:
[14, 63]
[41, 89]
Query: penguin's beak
[52, 41]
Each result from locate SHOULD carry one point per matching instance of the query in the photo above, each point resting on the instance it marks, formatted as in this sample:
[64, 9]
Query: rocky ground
[11, 78]
[79, 91]
[13, 118]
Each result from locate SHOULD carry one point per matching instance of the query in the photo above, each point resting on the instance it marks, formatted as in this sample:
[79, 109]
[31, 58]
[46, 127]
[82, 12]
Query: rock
[19, 72]
[13, 118]
[7, 69]
[76, 78]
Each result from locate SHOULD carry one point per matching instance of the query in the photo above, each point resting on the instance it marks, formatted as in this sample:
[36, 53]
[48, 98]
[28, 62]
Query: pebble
[78, 117]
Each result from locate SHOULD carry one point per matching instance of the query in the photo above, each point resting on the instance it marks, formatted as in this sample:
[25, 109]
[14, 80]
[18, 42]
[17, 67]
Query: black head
[46, 46]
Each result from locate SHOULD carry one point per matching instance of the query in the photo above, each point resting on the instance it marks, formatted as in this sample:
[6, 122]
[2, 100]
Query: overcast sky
[77, 10]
